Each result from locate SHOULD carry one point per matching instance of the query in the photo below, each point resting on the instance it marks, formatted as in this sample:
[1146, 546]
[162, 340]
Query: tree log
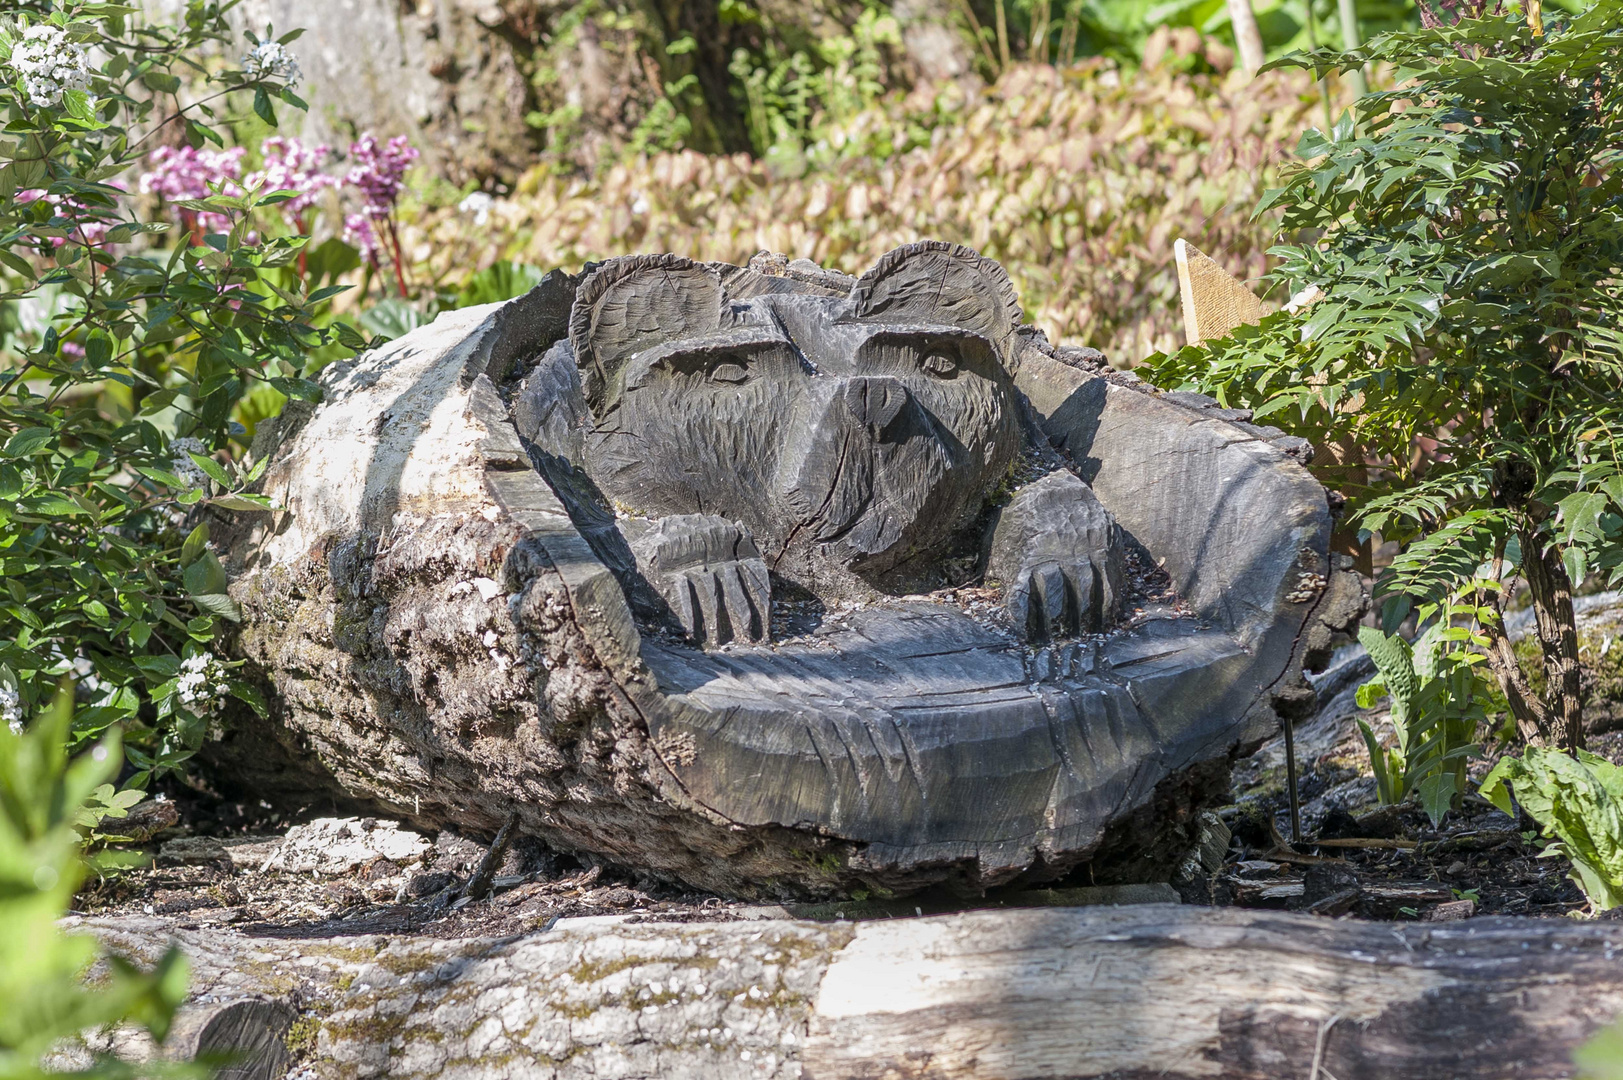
[1150, 990]
[454, 621]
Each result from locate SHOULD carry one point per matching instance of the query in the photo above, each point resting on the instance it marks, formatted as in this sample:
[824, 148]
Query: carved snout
[874, 399]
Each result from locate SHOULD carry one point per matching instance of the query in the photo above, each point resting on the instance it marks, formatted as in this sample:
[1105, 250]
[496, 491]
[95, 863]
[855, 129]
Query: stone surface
[339, 845]
[1148, 990]
[456, 610]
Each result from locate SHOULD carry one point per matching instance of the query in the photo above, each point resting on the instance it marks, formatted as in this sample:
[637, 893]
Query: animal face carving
[858, 430]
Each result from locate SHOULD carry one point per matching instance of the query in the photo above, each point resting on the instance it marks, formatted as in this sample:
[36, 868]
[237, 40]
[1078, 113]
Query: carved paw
[710, 572]
[1059, 554]
[1054, 600]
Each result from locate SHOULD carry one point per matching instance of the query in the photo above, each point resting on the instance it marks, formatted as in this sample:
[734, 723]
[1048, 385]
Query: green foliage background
[130, 352]
[1466, 229]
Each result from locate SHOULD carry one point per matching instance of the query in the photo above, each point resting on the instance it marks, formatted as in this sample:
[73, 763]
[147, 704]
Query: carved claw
[1060, 554]
[711, 574]
[730, 602]
[1054, 600]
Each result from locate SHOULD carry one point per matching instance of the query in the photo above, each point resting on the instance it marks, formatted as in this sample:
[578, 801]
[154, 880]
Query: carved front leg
[1058, 553]
[710, 572]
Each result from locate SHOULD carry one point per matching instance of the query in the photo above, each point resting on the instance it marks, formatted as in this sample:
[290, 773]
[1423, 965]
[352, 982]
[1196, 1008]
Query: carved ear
[632, 303]
[936, 282]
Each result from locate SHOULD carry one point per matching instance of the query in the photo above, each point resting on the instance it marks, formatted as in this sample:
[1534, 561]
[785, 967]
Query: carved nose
[875, 400]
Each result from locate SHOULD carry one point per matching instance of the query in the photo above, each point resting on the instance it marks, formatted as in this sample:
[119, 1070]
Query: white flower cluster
[478, 204]
[271, 60]
[183, 466]
[199, 687]
[11, 709]
[50, 65]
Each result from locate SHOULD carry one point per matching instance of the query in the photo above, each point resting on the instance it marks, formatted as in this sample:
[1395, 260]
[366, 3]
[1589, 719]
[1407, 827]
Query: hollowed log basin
[775, 581]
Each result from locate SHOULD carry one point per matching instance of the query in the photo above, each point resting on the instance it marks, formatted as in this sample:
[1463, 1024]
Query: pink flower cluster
[189, 173]
[289, 165]
[378, 171]
[358, 231]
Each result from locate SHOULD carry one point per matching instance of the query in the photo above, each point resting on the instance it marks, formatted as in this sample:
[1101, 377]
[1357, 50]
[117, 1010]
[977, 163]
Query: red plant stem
[394, 251]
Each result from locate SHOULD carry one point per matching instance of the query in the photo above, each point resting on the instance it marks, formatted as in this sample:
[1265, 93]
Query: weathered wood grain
[456, 621]
[1151, 990]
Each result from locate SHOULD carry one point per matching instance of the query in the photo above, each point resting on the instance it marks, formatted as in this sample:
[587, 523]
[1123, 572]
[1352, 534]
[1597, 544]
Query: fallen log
[776, 582]
[1141, 991]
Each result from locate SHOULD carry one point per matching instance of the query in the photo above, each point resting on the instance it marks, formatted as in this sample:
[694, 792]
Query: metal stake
[1290, 773]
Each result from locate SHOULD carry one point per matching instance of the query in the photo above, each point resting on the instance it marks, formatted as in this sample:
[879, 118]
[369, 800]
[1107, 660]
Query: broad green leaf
[194, 546]
[28, 441]
[211, 467]
[242, 501]
[218, 604]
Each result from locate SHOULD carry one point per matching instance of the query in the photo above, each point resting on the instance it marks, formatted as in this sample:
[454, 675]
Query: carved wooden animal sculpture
[844, 436]
[685, 565]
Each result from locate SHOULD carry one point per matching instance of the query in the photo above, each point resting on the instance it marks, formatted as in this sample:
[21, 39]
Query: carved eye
[733, 373]
[940, 364]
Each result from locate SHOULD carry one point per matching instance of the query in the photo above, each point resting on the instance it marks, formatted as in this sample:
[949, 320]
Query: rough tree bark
[1557, 631]
[443, 639]
[1136, 992]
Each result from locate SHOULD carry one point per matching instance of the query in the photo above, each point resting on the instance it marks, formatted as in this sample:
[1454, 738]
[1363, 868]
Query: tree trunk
[720, 116]
[1246, 35]
[1152, 990]
[1557, 629]
[1525, 706]
[1532, 724]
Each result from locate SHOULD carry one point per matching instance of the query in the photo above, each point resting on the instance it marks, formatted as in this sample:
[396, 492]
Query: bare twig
[1318, 1046]
[479, 885]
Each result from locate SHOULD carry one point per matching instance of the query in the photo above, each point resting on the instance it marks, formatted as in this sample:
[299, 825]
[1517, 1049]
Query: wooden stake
[1214, 301]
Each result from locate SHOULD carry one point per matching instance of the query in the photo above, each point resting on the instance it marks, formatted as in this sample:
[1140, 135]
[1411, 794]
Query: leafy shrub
[46, 804]
[1438, 702]
[1578, 801]
[1063, 29]
[1077, 181]
[1468, 235]
[127, 366]
[801, 109]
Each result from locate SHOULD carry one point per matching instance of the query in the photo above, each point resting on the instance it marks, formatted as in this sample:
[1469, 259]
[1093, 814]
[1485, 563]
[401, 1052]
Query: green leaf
[331, 259]
[157, 401]
[1437, 793]
[1377, 764]
[28, 441]
[1576, 563]
[392, 318]
[262, 107]
[196, 543]
[1579, 801]
[243, 501]
[1394, 659]
[1580, 515]
[302, 389]
[218, 604]
[246, 693]
[167, 479]
[205, 575]
[161, 81]
[211, 467]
